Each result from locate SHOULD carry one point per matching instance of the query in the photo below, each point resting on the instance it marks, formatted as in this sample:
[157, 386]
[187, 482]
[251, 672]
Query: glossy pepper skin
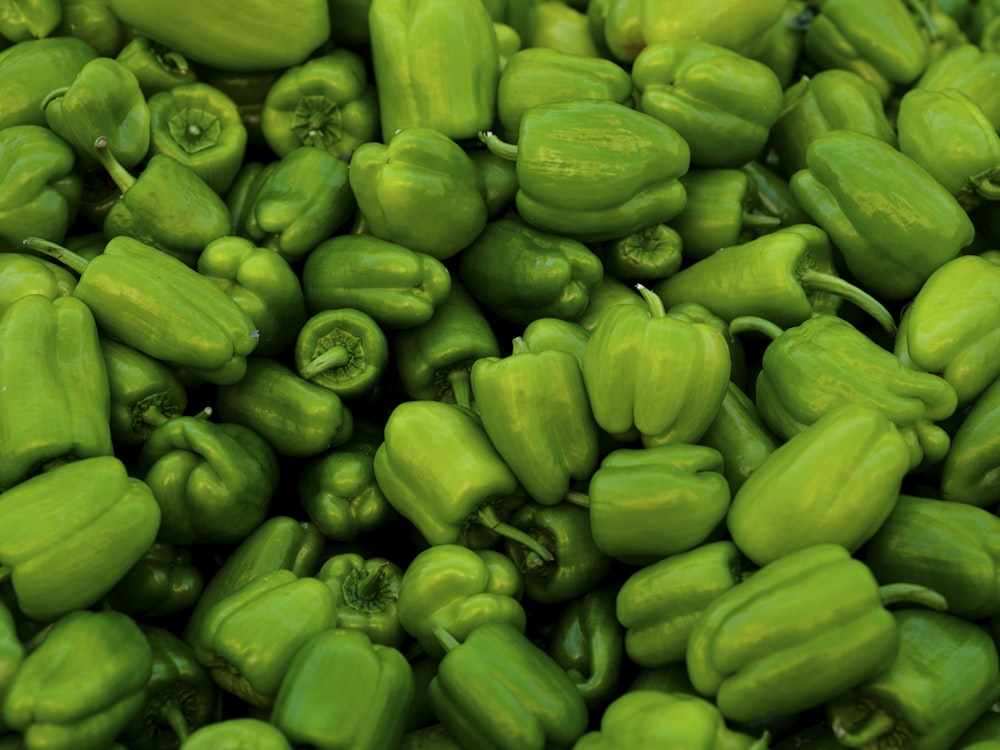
[436, 66]
[659, 603]
[398, 287]
[342, 349]
[825, 362]
[31, 69]
[326, 103]
[739, 434]
[26, 274]
[370, 684]
[262, 283]
[956, 345]
[40, 191]
[890, 246]
[164, 581]
[591, 187]
[59, 701]
[497, 689]
[54, 395]
[969, 69]
[154, 66]
[658, 371]
[243, 733]
[365, 593]
[754, 667]
[944, 677]
[843, 504]
[969, 471]
[721, 102]
[534, 409]
[420, 190]
[461, 590]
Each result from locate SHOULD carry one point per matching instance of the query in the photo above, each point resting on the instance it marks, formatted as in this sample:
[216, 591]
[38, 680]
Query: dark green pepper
[365, 594]
[739, 434]
[93, 22]
[12, 653]
[163, 582]
[31, 69]
[653, 252]
[343, 350]
[969, 473]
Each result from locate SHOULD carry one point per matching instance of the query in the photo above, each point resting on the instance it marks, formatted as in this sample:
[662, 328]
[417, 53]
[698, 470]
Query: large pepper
[945, 676]
[54, 396]
[522, 273]
[660, 372]
[798, 497]
[497, 689]
[892, 222]
[344, 692]
[970, 473]
[595, 170]
[436, 65]
[971, 70]
[60, 701]
[25, 274]
[40, 191]
[422, 190]
[326, 103]
[240, 733]
[365, 593]
[534, 409]
[150, 300]
[344, 350]
[31, 69]
[721, 102]
[452, 587]
[952, 334]
[163, 582]
[756, 666]
[398, 287]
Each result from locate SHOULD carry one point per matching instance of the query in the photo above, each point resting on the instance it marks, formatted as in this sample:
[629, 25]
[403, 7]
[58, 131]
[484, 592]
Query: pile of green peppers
[499, 375]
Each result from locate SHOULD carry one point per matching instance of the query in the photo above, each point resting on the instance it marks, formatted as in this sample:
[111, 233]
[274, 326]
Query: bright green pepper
[40, 191]
[31, 69]
[342, 349]
[945, 675]
[262, 283]
[163, 582]
[798, 497]
[755, 666]
[452, 587]
[246, 733]
[568, 336]
[365, 593]
[54, 391]
[59, 701]
[150, 300]
[327, 103]
[154, 66]
[969, 473]
[93, 22]
[971, 70]
[555, 25]
[892, 222]
[781, 47]
[396, 286]
[29, 19]
[497, 689]
[722, 103]
[368, 686]
[595, 170]
[422, 190]
[436, 66]
[234, 36]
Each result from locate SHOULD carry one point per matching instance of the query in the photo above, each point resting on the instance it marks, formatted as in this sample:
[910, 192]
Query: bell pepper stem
[653, 301]
[987, 185]
[53, 95]
[875, 725]
[65, 256]
[754, 324]
[119, 175]
[460, 385]
[519, 345]
[370, 586]
[498, 147]
[335, 356]
[173, 716]
[176, 61]
[816, 281]
[581, 499]
[926, 19]
[911, 593]
[486, 515]
[755, 221]
[447, 640]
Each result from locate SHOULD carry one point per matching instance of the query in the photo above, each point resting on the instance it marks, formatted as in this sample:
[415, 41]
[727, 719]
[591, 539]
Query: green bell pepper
[342, 349]
[659, 604]
[26, 274]
[497, 689]
[235, 36]
[54, 394]
[954, 334]
[154, 302]
[653, 252]
[163, 582]
[93, 22]
[498, 177]
[396, 286]
[756, 666]
[556, 25]
[595, 170]
[262, 283]
[154, 66]
[199, 126]
[774, 195]
[365, 593]
[58, 700]
[647, 719]
[568, 336]
[661, 372]
[241, 733]
[247, 640]
[30, 69]
[945, 676]
[521, 273]
[297, 417]
[436, 66]
[781, 47]
[40, 191]
[788, 503]
[578, 566]
[969, 69]
[969, 472]
[739, 434]
[892, 222]
[534, 409]
[369, 687]
[327, 103]
[29, 19]
[12, 653]
[721, 102]
[422, 190]
[461, 590]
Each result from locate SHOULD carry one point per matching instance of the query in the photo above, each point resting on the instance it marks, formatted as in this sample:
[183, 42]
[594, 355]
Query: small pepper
[342, 349]
[365, 594]
[163, 582]
[653, 252]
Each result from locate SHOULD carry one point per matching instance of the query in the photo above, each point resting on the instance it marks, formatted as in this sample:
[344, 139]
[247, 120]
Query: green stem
[875, 725]
[175, 60]
[580, 499]
[173, 716]
[153, 415]
[911, 593]
[65, 256]
[817, 281]
[335, 356]
[371, 585]
[486, 515]
[519, 345]
[754, 324]
[926, 19]
[986, 186]
[461, 387]
[54, 94]
[121, 176]
[498, 147]
[753, 221]
[653, 301]
[447, 640]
